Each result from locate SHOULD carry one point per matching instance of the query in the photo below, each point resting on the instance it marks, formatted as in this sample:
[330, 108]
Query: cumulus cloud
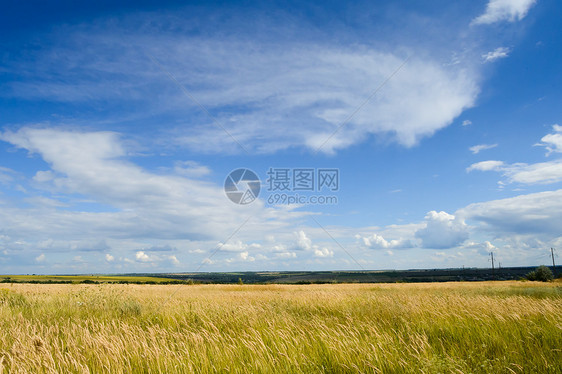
[498, 53]
[143, 257]
[173, 259]
[323, 252]
[377, 241]
[481, 147]
[40, 258]
[154, 259]
[482, 249]
[304, 243]
[466, 122]
[109, 258]
[504, 10]
[239, 246]
[246, 256]
[442, 230]
[286, 255]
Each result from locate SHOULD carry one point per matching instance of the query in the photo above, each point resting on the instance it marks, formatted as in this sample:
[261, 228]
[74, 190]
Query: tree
[542, 274]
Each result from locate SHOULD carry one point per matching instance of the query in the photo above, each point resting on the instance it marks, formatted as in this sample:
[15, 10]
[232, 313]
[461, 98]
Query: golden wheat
[494, 327]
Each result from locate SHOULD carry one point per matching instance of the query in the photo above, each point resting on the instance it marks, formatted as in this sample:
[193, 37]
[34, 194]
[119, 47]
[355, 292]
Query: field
[80, 278]
[478, 327]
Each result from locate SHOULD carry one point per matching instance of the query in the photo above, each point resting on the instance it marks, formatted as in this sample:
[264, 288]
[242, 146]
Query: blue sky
[120, 123]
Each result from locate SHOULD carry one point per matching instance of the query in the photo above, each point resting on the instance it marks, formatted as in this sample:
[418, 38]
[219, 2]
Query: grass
[492, 327]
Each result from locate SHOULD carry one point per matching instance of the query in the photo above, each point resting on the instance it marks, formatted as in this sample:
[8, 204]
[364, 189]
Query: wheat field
[492, 327]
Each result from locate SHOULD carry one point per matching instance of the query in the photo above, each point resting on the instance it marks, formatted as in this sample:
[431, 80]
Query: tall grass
[498, 327]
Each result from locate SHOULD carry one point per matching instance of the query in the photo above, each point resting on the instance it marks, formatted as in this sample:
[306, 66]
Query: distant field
[81, 278]
[478, 327]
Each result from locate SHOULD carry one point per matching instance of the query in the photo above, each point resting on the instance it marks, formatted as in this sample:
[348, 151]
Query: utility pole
[553, 264]
[493, 273]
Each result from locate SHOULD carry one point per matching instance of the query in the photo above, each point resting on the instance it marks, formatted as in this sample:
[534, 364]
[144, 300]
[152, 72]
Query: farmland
[80, 279]
[477, 327]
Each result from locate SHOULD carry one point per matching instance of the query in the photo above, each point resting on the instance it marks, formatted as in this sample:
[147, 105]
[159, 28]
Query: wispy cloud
[481, 147]
[552, 142]
[504, 10]
[267, 100]
[538, 173]
[486, 166]
[496, 54]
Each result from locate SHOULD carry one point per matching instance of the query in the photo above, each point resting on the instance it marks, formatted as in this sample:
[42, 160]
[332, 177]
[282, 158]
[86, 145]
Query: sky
[380, 135]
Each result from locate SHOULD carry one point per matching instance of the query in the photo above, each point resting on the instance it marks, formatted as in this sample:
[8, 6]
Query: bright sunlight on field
[492, 327]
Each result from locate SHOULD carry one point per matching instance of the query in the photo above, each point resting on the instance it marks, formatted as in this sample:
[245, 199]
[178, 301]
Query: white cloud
[191, 169]
[483, 249]
[6, 175]
[142, 204]
[553, 142]
[143, 257]
[486, 166]
[539, 173]
[109, 258]
[245, 256]
[153, 259]
[504, 10]
[303, 242]
[498, 53]
[442, 230]
[286, 255]
[481, 147]
[174, 260]
[323, 252]
[319, 87]
[377, 241]
[40, 258]
[44, 176]
[536, 213]
[239, 246]
[285, 94]
[466, 122]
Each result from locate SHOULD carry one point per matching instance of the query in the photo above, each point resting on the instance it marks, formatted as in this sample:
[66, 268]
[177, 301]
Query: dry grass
[502, 327]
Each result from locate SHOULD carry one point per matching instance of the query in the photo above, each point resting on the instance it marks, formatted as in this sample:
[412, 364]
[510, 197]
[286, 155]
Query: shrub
[542, 274]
